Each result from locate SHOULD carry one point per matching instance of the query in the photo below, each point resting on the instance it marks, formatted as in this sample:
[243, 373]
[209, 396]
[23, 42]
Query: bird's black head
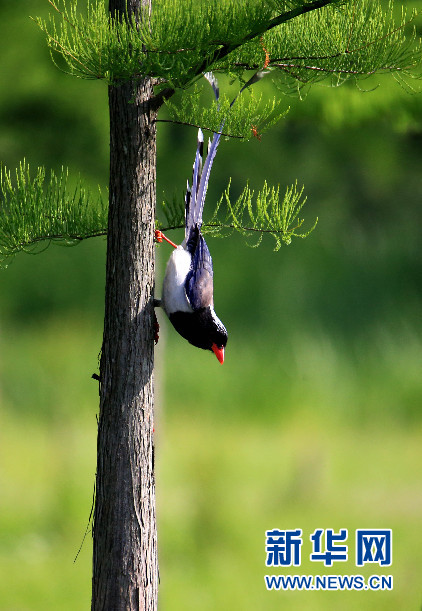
[203, 329]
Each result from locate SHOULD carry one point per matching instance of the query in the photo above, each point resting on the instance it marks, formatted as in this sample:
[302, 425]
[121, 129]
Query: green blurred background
[314, 420]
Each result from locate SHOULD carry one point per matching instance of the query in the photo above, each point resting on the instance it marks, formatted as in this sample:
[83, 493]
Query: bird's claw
[159, 236]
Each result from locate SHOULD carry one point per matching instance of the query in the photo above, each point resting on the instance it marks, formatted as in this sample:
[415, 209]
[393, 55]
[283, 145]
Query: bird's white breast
[174, 295]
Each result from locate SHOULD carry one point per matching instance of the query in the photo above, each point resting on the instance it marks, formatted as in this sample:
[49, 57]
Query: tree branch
[227, 48]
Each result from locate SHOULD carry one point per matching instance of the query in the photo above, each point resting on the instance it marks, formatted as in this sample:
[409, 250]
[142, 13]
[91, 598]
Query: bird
[188, 291]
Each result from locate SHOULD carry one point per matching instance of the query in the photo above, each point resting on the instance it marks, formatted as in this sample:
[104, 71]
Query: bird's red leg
[159, 236]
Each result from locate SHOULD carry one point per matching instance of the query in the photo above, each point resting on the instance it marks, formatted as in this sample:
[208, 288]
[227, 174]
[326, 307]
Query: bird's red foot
[159, 236]
[255, 133]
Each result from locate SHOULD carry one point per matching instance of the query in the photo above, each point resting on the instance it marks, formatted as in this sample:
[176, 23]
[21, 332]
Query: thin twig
[79, 238]
[232, 226]
[329, 70]
[197, 126]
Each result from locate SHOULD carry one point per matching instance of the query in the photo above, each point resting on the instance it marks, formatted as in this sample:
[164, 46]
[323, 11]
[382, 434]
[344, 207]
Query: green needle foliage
[351, 41]
[40, 208]
[266, 215]
[298, 42]
[249, 216]
[181, 39]
[247, 118]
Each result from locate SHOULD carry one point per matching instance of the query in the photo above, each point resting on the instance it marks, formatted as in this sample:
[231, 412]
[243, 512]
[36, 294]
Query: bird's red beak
[219, 353]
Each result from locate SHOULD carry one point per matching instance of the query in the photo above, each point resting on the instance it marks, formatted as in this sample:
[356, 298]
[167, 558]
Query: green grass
[232, 482]
[284, 448]
[47, 483]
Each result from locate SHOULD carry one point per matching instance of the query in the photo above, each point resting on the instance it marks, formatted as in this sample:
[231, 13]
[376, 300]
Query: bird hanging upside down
[188, 292]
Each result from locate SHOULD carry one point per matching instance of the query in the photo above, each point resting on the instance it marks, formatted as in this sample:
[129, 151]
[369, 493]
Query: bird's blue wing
[199, 281]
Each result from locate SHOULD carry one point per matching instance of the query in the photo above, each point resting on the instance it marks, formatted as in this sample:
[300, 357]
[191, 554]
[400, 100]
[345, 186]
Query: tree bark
[125, 567]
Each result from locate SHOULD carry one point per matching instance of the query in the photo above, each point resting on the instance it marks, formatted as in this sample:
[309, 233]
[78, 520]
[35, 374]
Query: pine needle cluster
[352, 41]
[267, 214]
[40, 208]
[250, 116]
[253, 217]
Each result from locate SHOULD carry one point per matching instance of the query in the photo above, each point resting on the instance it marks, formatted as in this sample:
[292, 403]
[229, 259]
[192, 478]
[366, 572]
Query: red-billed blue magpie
[188, 292]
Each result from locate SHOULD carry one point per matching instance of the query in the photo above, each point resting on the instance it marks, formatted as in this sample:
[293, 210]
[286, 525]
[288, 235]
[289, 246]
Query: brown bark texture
[125, 572]
[125, 567]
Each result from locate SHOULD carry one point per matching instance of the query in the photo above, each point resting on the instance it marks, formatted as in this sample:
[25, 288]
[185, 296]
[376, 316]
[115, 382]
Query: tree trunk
[125, 568]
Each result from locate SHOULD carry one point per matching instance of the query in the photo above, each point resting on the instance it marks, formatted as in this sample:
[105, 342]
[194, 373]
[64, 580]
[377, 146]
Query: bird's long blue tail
[195, 197]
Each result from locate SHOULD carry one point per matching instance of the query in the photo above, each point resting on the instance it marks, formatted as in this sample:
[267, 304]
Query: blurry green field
[242, 458]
